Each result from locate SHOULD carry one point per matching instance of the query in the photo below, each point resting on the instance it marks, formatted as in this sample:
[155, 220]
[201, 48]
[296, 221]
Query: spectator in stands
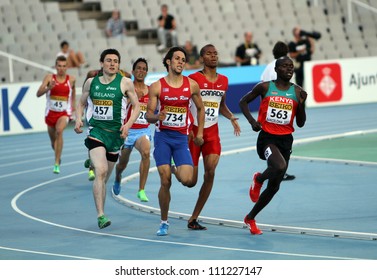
[115, 26]
[74, 59]
[248, 53]
[166, 27]
[301, 50]
[192, 56]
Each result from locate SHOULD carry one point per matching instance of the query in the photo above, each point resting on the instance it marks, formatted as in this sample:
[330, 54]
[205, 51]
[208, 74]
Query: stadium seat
[5, 2]
[51, 7]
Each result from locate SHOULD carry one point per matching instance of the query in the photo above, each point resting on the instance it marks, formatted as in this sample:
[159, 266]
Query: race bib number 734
[175, 116]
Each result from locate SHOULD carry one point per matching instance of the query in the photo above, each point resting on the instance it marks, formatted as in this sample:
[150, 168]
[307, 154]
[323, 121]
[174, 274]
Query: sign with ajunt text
[341, 82]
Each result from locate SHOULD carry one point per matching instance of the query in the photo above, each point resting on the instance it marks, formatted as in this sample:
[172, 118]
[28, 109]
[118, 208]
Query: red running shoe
[254, 230]
[255, 188]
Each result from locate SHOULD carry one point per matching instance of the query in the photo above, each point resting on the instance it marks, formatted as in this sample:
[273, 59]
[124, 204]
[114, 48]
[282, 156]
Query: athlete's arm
[300, 113]
[47, 84]
[224, 110]
[72, 81]
[128, 88]
[154, 94]
[197, 99]
[259, 90]
[81, 105]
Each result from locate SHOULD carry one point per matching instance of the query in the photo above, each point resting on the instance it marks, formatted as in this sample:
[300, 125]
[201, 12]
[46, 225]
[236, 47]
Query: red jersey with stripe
[175, 101]
[59, 97]
[278, 110]
[140, 122]
[211, 93]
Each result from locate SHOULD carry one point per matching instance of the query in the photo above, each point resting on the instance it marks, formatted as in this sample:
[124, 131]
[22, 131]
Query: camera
[315, 35]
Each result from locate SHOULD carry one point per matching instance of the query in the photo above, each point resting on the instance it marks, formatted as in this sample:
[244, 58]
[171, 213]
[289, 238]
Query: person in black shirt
[166, 25]
[248, 53]
[301, 50]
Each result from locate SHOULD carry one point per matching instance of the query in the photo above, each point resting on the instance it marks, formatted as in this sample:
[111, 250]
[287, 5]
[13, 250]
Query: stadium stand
[33, 29]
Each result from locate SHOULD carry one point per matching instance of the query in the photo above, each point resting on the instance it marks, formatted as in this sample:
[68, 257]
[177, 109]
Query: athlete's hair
[140, 59]
[169, 55]
[60, 58]
[203, 50]
[63, 43]
[280, 60]
[280, 49]
[109, 51]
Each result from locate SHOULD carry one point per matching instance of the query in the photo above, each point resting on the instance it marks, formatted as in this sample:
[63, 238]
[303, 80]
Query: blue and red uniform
[170, 138]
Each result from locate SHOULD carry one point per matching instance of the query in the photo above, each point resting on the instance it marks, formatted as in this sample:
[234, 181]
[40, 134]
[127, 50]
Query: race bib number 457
[103, 110]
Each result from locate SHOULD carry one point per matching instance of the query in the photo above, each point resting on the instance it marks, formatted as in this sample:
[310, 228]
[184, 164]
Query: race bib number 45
[58, 103]
[103, 110]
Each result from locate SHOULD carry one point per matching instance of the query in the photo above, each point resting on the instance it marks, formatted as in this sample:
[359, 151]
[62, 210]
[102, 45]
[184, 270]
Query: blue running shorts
[168, 144]
[134, 134]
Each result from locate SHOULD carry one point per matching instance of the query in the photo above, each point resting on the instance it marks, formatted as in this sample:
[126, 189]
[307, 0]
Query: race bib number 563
[279, 113]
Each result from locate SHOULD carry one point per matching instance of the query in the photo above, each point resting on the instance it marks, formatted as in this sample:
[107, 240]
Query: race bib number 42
[211, 111]
[103, 110]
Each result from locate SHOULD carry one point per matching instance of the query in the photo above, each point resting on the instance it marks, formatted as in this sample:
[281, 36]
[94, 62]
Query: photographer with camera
[301, 50]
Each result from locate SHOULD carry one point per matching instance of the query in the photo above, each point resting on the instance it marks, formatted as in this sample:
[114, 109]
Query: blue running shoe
[116, 188]
[163, 230]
